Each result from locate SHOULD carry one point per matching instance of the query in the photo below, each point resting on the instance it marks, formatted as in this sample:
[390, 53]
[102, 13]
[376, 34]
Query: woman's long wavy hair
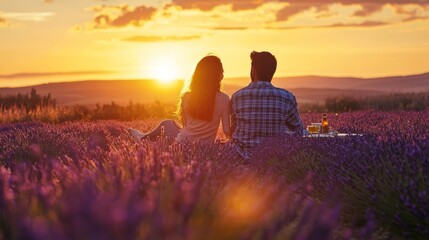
[204, 85]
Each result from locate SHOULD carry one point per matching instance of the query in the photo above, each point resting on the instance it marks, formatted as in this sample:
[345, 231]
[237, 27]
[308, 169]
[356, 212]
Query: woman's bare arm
[226, 120]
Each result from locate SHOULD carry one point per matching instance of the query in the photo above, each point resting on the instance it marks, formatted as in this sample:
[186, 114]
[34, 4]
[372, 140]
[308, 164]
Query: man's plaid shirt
[261, 110]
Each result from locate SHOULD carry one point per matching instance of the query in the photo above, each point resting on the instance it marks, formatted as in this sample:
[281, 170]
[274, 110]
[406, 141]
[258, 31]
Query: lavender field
[90, 180]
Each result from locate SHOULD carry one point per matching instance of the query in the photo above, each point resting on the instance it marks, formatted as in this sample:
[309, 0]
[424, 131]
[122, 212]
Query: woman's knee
[167, 122]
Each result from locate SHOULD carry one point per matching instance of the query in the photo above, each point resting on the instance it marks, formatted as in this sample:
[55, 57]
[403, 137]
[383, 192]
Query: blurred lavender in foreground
[91, 181]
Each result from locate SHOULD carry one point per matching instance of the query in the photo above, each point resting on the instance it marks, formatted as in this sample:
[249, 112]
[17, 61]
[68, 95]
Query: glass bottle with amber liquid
[325, 125]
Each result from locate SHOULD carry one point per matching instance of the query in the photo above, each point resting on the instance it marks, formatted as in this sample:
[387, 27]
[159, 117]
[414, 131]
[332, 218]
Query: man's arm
[294, 122]
[226, 119]
[233, 116]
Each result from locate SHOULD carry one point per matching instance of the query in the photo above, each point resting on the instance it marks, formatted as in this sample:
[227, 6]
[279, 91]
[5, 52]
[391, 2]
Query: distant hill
[314, 95]
[306, 89]
[105, 91]
[412, 83]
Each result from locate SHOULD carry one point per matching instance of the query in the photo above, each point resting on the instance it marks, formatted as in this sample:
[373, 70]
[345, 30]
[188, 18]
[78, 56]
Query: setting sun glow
[164, 40]
[164, 70]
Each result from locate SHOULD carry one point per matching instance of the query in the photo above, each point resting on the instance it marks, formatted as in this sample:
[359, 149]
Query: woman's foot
[136, 134]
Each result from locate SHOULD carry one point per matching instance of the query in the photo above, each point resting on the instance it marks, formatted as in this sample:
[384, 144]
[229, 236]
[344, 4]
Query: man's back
[261, 110]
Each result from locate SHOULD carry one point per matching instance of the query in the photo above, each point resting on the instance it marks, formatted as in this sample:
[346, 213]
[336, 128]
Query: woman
[201, 108]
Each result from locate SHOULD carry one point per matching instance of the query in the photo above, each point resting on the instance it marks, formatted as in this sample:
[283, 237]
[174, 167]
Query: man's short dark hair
[265, 65]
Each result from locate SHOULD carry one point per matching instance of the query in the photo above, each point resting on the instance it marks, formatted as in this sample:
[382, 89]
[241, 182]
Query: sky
[62, 40]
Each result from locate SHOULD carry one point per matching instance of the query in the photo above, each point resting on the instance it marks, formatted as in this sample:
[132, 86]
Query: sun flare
[163, 70]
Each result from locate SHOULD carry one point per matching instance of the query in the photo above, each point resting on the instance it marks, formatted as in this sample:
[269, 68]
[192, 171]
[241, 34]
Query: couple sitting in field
[255, 112]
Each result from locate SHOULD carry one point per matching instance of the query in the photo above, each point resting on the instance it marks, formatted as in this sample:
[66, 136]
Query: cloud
[51, 74]
[336, 25]
[415, 18]
[368, 7]
[362, 24]
[322, 14]
[229, 28]
[293, 9]
[297, 4]
[120, 16]
[12, 19]
[3, 21]
[294, 14]
[160, 38]
[29, 16]
[359, 1]
[209, 5]
[220, 18]
[221, 15]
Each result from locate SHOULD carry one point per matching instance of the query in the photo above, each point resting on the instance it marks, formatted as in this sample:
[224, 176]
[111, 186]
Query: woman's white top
[200, 130]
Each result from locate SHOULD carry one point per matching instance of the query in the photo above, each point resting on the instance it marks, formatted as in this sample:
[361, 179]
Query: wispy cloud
[296, 4]
[361, 24]
[221, 15]
[336, 25]
[119, 16]
[368, 8]
[160, 38]
[52, 74]
[3, 22]
[365, 8]
[209, 5]
[220, 18]
[28, 16]
[230, 28]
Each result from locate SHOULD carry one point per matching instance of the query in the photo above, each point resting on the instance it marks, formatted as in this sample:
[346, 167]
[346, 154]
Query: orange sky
[50, 40]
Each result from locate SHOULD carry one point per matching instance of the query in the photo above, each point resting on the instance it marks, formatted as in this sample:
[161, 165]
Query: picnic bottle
[325, 125]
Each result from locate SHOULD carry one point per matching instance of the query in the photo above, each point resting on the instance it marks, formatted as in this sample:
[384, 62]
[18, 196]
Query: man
[261, 110]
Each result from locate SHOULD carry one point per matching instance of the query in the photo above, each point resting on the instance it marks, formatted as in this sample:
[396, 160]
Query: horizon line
[226, 78]
[106, 72]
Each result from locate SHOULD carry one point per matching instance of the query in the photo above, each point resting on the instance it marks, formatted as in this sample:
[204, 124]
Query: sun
[163, 70]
